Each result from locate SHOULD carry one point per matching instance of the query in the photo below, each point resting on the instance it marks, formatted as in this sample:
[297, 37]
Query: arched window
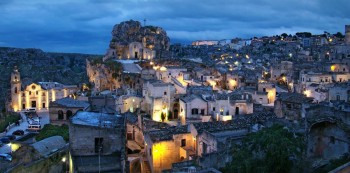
[15, 90]
[69, 113]
[60, 115]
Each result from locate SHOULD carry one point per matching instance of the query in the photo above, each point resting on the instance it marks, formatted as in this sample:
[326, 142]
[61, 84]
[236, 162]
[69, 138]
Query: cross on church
[144, 22]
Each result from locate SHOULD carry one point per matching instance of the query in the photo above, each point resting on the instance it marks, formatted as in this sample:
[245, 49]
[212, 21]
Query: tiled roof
[294, 98]
[69, 102]
[189, 98]
[167, 133]
[241, 122]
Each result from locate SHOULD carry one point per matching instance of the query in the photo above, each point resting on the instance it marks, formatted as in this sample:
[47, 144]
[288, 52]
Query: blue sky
[84, 26]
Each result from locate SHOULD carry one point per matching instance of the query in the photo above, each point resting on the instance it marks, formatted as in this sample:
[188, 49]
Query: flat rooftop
[97, 119]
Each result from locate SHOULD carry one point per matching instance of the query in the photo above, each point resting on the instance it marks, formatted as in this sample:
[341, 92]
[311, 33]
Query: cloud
[85, 25]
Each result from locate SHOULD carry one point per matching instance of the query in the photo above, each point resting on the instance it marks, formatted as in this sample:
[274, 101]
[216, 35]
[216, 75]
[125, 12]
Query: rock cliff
[153, 37]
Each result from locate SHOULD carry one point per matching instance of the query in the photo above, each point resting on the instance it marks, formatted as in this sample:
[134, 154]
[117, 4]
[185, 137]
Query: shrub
[9, 118]
[53, 130]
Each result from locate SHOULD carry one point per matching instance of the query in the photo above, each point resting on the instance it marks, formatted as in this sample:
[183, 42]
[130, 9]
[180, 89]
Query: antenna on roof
[144, 22]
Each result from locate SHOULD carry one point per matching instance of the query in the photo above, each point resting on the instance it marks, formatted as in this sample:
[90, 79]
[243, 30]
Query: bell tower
[16, 89]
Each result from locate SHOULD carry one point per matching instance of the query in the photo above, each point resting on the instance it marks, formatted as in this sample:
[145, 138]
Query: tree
[339, 35]
[274, 150]
[162, 116]
[284, 35]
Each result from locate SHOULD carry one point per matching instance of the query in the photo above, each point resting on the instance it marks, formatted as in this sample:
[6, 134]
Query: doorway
[98, 145]
[33, 104]
[136, 55]
[237, 111]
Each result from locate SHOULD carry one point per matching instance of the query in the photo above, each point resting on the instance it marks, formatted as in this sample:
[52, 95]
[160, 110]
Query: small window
[37, 92]
[213, 108]
[164, 93]
[202, 111]
[264, 89]
[30, 93]
[183, 142]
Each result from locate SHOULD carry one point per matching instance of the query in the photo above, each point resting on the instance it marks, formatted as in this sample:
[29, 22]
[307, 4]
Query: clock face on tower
[33, 87]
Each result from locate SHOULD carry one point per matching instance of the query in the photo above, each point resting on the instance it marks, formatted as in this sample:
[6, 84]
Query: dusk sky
[84, 26]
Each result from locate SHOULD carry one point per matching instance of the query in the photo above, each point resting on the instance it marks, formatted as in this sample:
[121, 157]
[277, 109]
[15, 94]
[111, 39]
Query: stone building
[291, 106]
[167, 146]
[265, 93]
[97, 142]
[62, 109]
[192, 107]
[203, 144]
[36, 95]
[220, 107]
[328, 133]
[339, 92]
[158, 99]
[285, 68]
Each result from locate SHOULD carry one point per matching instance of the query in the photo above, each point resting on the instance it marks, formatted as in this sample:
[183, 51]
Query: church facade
[133, 50]
[36, 95]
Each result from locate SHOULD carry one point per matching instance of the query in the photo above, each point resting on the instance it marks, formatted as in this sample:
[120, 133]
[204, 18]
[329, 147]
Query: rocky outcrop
[152, 37]
[105, 75]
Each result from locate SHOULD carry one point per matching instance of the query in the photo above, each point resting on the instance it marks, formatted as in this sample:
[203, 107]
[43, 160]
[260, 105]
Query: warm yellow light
[330, 40]
[284, 78]
[232, 82]
[307, 93]
[63, 159]
[247, 56]
[14, 146]
[151, 63]
[333, 68]
[162, 68]
[226, 118]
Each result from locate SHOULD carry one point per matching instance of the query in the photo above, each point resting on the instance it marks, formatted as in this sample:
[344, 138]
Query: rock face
[151, 37]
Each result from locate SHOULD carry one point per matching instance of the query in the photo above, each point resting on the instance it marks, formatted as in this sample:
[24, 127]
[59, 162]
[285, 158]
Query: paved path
[23, 126]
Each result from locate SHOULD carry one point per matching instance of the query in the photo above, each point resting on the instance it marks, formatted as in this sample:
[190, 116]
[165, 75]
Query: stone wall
[82, 139]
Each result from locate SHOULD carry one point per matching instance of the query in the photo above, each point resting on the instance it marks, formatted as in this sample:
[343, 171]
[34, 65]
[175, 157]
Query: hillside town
[150, 106]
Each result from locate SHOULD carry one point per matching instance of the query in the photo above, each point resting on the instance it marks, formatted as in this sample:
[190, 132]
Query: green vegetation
[95, 60]
[53, 130]
[273, 150]
[114, 66]
[8, 118]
